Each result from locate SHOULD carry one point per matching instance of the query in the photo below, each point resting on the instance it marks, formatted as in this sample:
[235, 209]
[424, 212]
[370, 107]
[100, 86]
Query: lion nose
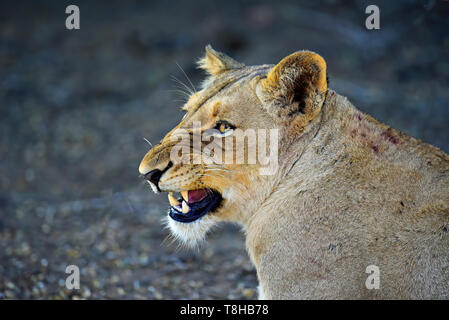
[154, 176]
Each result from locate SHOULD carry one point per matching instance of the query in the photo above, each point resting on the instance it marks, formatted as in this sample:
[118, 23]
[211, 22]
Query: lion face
[213, 164]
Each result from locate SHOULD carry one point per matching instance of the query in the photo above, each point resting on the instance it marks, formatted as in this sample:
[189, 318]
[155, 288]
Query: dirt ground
[75, 107]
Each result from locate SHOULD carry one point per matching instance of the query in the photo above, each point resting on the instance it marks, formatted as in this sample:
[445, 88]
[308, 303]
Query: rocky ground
[75, 107]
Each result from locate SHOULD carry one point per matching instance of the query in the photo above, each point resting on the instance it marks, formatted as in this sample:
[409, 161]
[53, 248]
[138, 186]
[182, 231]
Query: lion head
[208, 175]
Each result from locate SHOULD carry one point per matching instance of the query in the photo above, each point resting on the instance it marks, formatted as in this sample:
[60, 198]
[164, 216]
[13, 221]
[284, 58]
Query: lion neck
[297, 169]
[322, 144]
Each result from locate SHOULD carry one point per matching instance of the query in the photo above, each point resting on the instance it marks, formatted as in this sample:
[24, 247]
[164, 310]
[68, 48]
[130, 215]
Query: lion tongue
[197, 195]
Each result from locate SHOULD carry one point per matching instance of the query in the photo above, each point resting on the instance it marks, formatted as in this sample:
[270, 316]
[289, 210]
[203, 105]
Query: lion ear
[215, 62]
[298, 83]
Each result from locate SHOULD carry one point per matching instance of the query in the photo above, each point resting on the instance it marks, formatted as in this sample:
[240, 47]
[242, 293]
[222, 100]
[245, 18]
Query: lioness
[349, 192]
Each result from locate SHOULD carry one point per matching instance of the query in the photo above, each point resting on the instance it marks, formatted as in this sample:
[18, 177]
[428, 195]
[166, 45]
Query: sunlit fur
[191, 234]
[349, 192]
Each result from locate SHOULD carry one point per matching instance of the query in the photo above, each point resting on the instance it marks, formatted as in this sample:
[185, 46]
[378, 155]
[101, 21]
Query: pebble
[10, 285]
[86, 293]
[115, 279]
[46, 228]
[155, 292]
[96, 283]
[44, 263]
[248, 293]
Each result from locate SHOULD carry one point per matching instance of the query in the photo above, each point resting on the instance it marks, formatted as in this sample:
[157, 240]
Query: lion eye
[224, 126]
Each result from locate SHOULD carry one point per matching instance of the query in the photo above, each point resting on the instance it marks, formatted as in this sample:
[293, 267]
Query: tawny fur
[349, 192]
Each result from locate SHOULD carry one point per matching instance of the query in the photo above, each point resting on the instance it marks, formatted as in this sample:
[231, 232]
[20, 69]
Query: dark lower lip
[197, 210]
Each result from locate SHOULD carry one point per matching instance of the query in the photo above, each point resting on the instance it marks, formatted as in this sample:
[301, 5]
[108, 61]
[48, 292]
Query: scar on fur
[215, 108]
[388, 135]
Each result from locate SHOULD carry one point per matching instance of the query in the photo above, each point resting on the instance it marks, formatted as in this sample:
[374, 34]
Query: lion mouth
[193, 204]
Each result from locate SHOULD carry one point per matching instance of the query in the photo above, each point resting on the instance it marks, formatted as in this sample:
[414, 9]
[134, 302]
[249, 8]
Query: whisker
[180, 101]
[216, 170]
[183, 87]
[212, 166]
[216, 166]
[181, 93]
[148, 142]
[213, 175]
[221, 173]
[183, 84]
[185, 74]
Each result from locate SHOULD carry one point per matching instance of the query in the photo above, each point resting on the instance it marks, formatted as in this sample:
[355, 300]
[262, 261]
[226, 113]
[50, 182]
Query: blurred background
[76, 105]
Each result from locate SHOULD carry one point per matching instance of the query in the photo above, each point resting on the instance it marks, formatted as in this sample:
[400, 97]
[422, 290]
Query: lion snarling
[348, 191]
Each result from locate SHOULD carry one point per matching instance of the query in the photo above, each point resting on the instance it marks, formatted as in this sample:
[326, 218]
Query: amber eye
[224, 126]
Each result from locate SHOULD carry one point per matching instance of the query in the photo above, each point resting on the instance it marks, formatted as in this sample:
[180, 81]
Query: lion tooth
[172, 200]
[185, 195]
[185, 207]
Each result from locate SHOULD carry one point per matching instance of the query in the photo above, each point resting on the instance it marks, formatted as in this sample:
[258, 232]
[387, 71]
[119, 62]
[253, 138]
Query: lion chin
[190, 234]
